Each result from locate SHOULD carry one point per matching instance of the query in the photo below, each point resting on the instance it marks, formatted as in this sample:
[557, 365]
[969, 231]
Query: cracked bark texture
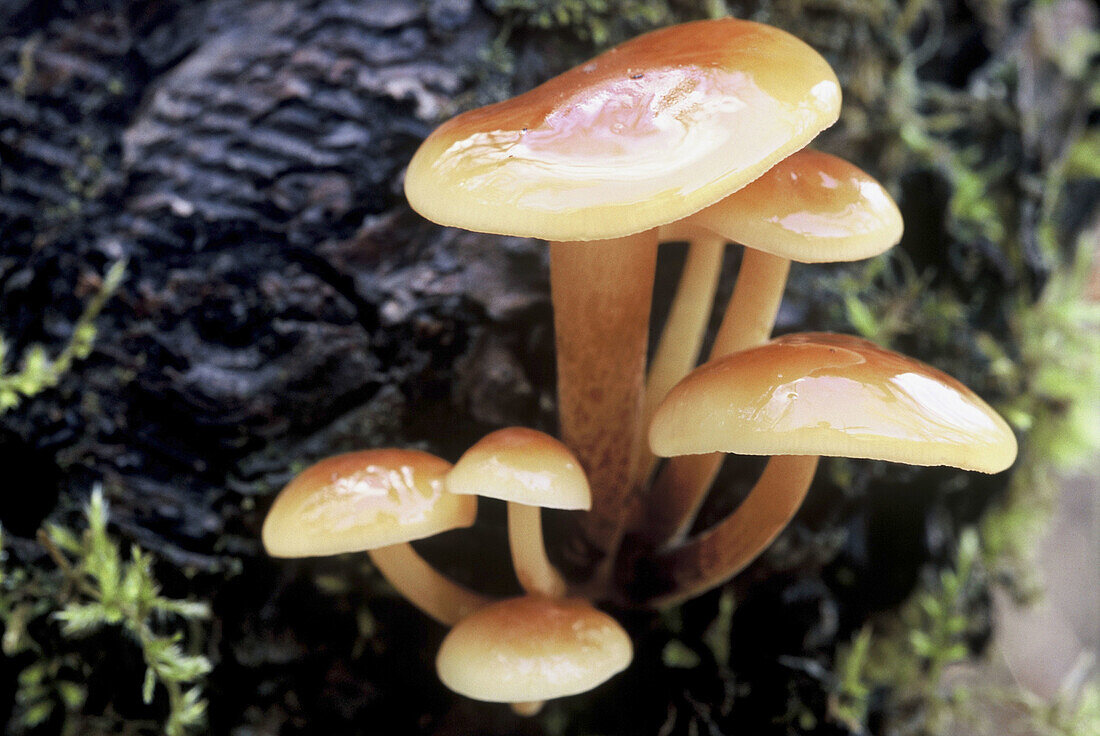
[280, 300]
[281, 303]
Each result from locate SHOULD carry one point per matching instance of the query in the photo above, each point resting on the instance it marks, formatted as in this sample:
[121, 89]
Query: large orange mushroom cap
[828, 394]
[647, 133]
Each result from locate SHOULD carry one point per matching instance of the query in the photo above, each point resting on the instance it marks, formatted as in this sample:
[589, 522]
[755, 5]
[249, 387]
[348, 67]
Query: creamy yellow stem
[535, 573]
[602, 292]
[718, 554]
[683, 482]
[683, 332]
[529, 708]
[754, 304]
[425, 587]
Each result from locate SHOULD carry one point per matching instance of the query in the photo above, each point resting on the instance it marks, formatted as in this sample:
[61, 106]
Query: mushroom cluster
[695, 133]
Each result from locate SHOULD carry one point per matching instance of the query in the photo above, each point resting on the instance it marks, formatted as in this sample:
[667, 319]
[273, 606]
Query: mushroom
[531, 471]
[811, 207]
[532, 648]
[379, 501]
[799, 397]
[594, 160]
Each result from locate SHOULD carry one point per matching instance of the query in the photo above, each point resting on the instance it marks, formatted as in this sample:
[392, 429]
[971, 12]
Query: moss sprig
[37, 371]
[908, 653]
[95, 586]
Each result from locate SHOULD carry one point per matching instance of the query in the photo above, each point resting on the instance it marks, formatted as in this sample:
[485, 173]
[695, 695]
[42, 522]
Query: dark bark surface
[245, 160]
[281, 303]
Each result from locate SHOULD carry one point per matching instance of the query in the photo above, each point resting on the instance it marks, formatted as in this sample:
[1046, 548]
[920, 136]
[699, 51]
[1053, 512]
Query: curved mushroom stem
[684, 481]
[721, 552]
[425, 587]
[533, 569]
[528, 709]
[602, 293]
[683, 332]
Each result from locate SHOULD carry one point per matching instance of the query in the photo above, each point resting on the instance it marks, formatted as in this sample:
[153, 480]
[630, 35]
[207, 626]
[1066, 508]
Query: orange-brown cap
[532, 648]
[364, 500]
[647, 133]
[827, 394]
[811, 207]
[522, 466]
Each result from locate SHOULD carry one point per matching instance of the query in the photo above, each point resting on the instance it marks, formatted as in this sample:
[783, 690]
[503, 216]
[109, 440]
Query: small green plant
[37, 370]
[908, 653]
[96, 587]
[887, 298]
[1077, 715]
[938, 615]
[849, 699]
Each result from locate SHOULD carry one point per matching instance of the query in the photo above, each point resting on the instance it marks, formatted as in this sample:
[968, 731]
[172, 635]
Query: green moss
[598, 22]
[907, 653]
[677, 655]
[579, 29]
[37, 370]
[849, 700]
[718, 635]
[95, 587]
[1053, 387]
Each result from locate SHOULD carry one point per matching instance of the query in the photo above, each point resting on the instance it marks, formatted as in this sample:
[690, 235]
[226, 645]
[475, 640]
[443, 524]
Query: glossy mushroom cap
[811, 207]
[827, 394]
[364, 500]
[647, 133]
[522, 466]
[532, 648]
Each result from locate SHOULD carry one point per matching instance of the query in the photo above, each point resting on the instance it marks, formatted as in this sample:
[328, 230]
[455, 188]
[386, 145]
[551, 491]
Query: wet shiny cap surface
[811, 207]
[364, 500]
[642, 135]
[532, 648]
[522, 466]
[828, 394]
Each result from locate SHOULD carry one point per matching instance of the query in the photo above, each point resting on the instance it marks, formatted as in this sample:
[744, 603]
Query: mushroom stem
[536, 574]
[528, 709]
[683, 331]
[683, 482]
[601, 293]
[425, 587]
[533, 569]
[754, 304]
[688, 570]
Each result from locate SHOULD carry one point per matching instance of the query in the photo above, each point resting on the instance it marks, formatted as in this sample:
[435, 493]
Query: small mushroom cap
[522, 466]
[532, 648]
[651, 131]
[364, 500]
[811, 207]
[827, 394]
